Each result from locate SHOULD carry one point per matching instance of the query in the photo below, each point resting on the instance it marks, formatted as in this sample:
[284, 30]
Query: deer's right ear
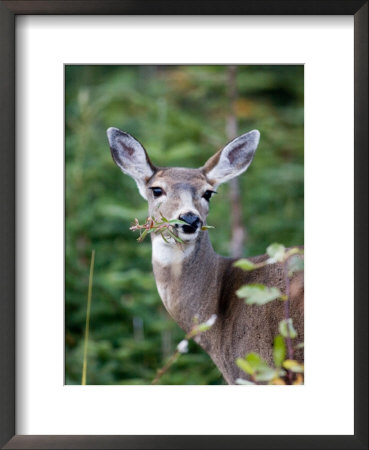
[233, 160]
[130, 156]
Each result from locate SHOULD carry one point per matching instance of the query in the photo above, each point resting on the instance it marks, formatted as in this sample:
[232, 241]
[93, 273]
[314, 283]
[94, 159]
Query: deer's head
[180, 193]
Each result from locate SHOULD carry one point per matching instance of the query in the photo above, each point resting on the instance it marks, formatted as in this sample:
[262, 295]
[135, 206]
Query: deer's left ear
[233, 160]
[130, 156]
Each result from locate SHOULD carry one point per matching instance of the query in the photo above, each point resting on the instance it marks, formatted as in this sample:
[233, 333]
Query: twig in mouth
[165, 227]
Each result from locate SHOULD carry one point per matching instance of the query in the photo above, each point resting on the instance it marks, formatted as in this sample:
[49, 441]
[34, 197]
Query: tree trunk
[238, 230]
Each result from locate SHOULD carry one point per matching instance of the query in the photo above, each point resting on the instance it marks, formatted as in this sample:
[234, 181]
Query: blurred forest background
[182, 115]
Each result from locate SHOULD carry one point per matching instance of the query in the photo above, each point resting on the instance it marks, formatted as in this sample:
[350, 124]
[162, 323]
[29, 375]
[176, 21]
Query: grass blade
[89, 295]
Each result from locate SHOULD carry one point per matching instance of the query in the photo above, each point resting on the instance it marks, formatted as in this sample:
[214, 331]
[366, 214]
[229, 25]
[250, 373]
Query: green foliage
[294, 366]
[257, 368]
[164, 227]
[245, 382]
[279, 351]
[258, 294]
[295, 264]
[245, 264]
[276, 253]
[89, 296]
[182, 347]
[286, 328]
[179, 114]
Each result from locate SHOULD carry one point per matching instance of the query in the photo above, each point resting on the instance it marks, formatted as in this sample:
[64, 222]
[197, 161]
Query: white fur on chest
[169, 257]
[169, 254]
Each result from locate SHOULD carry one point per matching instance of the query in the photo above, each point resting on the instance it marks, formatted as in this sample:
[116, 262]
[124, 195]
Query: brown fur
[207, 284]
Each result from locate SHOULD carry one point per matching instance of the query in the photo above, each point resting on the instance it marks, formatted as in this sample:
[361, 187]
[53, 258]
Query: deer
[192, 279]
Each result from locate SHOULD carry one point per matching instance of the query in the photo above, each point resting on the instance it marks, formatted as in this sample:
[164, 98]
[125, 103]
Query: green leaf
[176, 238]
[276, 253]
[245, 264]
[279, 351]
[266, 374]
[176, 222]
[206, 227]
[255, 361]
[203, 327]
[258, 294]
[254, 365]
[294, 251]
[244, 382]
[295, 264]
[286, 328]
[245, 366]
[293, 366]
[142, 236]
[164, 238]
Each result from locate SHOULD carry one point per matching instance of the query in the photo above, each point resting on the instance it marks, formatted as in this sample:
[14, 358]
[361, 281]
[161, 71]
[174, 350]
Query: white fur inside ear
[235, 158]
[130, 157]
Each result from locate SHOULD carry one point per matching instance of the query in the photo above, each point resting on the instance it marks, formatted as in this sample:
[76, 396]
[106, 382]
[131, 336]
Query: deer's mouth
[186, 231]
[192, 223]
[189, 229]
[186, 237]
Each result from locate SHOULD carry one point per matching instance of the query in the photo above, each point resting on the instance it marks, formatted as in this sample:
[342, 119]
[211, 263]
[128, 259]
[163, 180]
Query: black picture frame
[8, 12]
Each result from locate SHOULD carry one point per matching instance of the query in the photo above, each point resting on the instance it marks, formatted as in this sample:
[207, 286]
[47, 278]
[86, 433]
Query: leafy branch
[286, 370]
[165, 227]
[182, 347]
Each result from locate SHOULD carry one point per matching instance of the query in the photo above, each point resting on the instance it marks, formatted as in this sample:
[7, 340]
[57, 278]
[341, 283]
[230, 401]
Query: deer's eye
[207, 195]
[157, 191]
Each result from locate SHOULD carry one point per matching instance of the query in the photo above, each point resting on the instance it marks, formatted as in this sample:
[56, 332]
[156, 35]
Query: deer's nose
[192, 220]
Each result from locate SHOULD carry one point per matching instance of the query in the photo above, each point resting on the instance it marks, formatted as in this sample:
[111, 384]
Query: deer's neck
[186, 277]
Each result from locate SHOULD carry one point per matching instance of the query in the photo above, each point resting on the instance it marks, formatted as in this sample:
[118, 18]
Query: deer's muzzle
[192, 220]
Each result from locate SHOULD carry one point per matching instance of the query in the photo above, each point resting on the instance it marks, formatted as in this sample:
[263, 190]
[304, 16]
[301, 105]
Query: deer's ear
[130, 156]
[234, 159]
